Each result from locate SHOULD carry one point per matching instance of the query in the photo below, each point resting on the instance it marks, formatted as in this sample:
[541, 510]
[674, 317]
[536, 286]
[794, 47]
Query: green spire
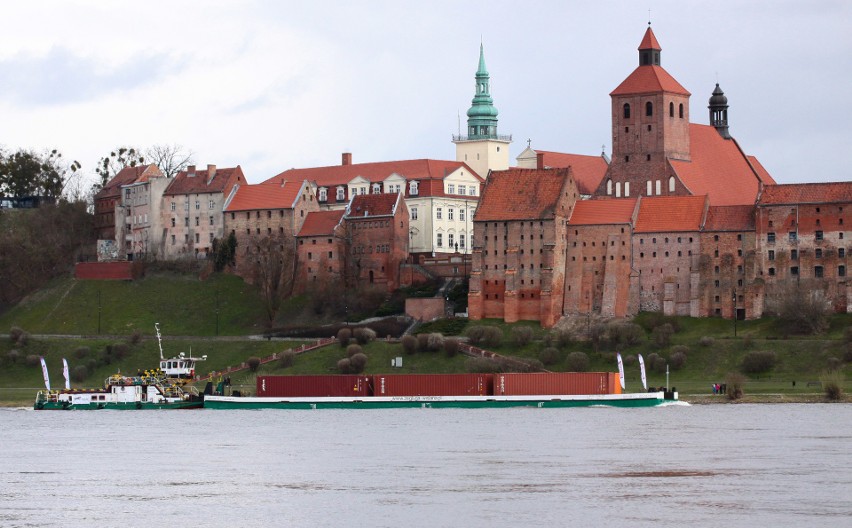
[482, 116]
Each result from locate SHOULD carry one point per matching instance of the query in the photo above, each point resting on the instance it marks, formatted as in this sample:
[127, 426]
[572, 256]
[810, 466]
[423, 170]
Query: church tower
[650, 125]
[719, 112]
[482, 148]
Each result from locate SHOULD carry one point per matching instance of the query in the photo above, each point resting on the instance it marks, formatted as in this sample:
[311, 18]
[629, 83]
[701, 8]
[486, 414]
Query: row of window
[819, 271]
[793, 236]
[391, 188]
[649, 110]
[451, 240]
[311, 255]
[439, 214]
[186, 238]
[356, 250]
[651, 186]
[197, 221]
[211, 204]
[794, 253]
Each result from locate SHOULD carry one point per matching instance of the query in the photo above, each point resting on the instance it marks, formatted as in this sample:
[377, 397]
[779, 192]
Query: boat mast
[159, 341]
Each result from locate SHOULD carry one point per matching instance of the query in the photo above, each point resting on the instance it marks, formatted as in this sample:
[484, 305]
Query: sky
[273, 85]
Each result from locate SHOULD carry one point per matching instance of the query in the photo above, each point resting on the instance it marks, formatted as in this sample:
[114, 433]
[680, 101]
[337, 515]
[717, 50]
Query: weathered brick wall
[122, 270]
[425, 309]
[319, 261]
[728, 264]
[378, 246]
[666, 257]
[597, 276]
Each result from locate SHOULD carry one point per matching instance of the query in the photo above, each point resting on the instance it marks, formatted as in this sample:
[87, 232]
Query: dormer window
[323, 194]
[462, 189]
[412, 188]
[451, 188]
[341, 193]
[377, 189]
[472, 190]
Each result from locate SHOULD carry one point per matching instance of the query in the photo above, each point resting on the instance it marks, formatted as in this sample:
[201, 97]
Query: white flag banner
[642, 371]
[65, 373]
[620, 370]
[44, 373]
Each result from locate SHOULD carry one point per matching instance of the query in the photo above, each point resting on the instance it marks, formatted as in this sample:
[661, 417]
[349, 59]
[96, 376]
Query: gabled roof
[806, 193]
[521, 194]
[660, 214]
[371, 205]
[588, 170]
[718, 168]
[603, 212]
[420, 169]
[265, 196]
[127, 176]
[730, 218]
[319, 223]
[199, 181]
[649, 79]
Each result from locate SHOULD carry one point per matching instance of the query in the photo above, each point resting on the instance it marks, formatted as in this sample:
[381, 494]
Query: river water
[715, 465]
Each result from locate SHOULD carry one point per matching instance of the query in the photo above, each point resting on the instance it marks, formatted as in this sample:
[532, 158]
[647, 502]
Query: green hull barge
[647, 399]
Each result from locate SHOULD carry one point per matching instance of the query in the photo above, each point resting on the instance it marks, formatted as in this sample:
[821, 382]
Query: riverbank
[709, 399]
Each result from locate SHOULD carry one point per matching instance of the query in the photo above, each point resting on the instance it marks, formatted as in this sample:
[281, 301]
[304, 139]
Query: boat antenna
[159, 342]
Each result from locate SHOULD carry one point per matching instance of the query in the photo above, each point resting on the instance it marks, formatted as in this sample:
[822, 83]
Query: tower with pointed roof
[719, 112]
[483, 149]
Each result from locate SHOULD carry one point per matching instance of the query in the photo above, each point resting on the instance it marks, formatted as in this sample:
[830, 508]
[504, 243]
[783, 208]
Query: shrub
[834, 364]
[598, 335]
[748, 342]
[358, 362]
[521, 335]
[577, 362]
[529, 365]
[659, 364]
[81, 352]
[628, 334]
[683, 349]
[802, 311]
[706, 341]
[351, 350]
[91, 365]
[656, 319]
[451, 346]
[422, 342]
[847, 355]
[652, 357]
[253, 363]
[758, 361]
[475, 334]
[364, 335]
[561, 337]
[409, 344]
[629, 360]
[493, 336]
[344, 366]
[677, 360]
[120, 351]
[734, 385]
[847, 335]
[288, 357]
[549, 356]
[79, 373]
[662, 335]
[343, 336]
[482, 365]
[33, 360]
[135, 338]
[435, 342]
[13, 356]
[15, 333]
[832, 384]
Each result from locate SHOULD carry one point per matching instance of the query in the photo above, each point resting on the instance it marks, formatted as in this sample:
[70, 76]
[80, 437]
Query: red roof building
[376, 240]
[110, 195]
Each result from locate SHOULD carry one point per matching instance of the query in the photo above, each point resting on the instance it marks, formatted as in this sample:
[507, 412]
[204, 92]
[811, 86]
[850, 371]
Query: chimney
[347, 158]
[211, 172]
[539, 160]
[190, 171]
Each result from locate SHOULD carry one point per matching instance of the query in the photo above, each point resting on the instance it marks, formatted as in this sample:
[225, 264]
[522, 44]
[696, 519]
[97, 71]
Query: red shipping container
[432, 385]
[555, 383]
[313, 386]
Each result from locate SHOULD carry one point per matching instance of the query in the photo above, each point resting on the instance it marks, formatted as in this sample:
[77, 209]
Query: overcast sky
[274, 85]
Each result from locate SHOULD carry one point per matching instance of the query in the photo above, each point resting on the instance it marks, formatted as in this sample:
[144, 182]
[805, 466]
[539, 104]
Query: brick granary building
[682, 222]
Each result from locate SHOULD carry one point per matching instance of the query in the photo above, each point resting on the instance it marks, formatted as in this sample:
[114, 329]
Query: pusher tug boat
[163, 388]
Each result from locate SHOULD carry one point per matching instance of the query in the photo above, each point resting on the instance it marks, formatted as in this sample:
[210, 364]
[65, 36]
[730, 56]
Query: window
[818, 235]
[211, 204]
[211, 220]
[197, 238]
[461, 214]
[173, 206]
[449, 214]
[197, 221]
[680, 110]
[341, 193]
[770, 238]
[771, 254]
[462, 189]
[794, 254]
[818, 253]
[186, 222]
[794, 270]
[609, 187]
[414, 213]
[450, 240]
[841, 252]
[649, 109]
[377, 189]
[650, 191]
[197, 205]
[671, 109]
[211, 237]
[173, 240]
[173, 222]
[472, 191]
[461, 241]
[412, 187]
[451, 188]
[323, 194]
[792, 236]
[186, 205]
[659, 188]
[440, 240]
[771, 272]
[841, 271]
[438, 213]
[818, 272]
[626, 111]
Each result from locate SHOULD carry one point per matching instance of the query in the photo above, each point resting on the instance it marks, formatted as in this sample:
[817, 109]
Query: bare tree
[119, 158]
[171, 159]
[274, 271]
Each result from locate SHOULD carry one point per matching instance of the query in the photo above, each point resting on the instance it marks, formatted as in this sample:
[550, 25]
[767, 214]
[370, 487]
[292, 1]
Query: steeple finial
[482, 116]
[649, 17]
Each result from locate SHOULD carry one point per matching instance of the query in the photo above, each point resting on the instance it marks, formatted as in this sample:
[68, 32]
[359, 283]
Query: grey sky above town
[275, 85]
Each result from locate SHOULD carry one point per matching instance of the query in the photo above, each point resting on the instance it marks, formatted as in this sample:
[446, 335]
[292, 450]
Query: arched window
[626, 189]
[609, 187]
[659, 187]
[626, 111]
[680, 111]
[671, 109]
[650, 189]
[671, 184]
[649, 108]
[618, 189]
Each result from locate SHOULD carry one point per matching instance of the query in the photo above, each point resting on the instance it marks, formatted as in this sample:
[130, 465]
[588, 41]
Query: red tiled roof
[801, 193]
[366, 205]
[730, 218]
[649, 41]
[223, 180]
[762, 173]
[649, 79]
[128, 175]
[718, 168]
[670, 213]
[588, 170]
[520, 194]
[420, 169]
[603, 212]
[318, 223]
[265, 196]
